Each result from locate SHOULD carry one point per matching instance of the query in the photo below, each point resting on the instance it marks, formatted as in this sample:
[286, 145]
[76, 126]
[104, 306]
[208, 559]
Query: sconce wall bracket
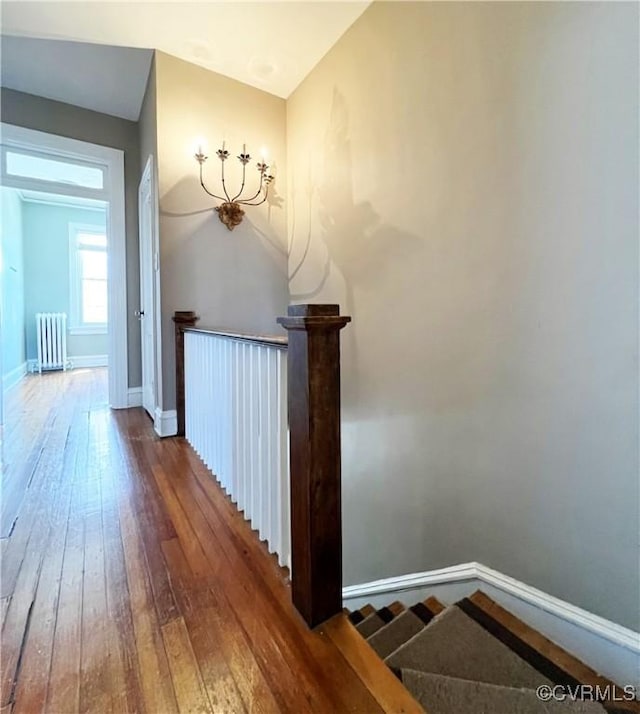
[230, 214]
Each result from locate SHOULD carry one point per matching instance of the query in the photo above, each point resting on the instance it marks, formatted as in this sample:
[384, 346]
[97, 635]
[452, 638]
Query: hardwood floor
[130, 583]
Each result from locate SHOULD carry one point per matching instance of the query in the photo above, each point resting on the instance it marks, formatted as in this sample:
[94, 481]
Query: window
[88, 251]
[30, 165]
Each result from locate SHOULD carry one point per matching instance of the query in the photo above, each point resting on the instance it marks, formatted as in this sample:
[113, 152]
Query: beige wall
[463, 181]
[232, 279]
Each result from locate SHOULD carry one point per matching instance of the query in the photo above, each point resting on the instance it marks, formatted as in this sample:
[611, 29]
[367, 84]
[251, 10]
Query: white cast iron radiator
[52, 340]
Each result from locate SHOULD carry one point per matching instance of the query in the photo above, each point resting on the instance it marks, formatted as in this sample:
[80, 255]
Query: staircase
[474, 657]
[470, 658]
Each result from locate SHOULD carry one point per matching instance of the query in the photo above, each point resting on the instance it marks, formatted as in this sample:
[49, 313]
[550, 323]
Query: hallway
[131, 583]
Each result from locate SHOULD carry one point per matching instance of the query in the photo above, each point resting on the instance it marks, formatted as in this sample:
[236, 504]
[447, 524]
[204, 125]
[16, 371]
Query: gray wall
[40, 114]
[147, 123]
[238, 279]
[463, 180]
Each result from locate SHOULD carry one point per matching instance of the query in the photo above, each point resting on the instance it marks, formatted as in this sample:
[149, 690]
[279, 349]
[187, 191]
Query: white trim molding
[88, 361]
[608, 647]
[77, 362]
[14, 377]
[600, 626]
[412, 581]
[166, 423]
[135, 397]
[619, 635]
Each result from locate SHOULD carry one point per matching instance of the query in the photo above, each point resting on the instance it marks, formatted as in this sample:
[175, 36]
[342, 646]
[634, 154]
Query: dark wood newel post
[182, 319]
[314, 431]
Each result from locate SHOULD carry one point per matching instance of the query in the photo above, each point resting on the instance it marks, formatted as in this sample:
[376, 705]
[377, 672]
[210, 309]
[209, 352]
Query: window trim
[76, 326]
[45, 185]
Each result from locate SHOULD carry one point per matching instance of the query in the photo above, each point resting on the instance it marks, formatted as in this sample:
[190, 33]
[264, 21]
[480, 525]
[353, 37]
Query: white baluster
[259, 466]
[203, 396]
[255, 437]
[250, 419]
[272, 431]
[213, 412]
[228, 415]
[217, 407]
[263, 454]
[187, 389]
[284, 554]
[242, 430]
[222, 415]
[234, 382]
[224, 422]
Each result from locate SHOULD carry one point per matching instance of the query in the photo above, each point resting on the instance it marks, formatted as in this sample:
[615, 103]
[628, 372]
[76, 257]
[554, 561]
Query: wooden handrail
[269, 340]
[182, 320]
[314, 437]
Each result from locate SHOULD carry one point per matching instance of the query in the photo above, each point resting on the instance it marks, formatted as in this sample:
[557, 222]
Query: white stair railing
[235, 413]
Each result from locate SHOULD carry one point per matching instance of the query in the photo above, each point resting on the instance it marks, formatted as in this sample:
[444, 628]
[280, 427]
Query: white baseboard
[166, 423]
[134, 397]
[76, 362]
[86, 361]
[10, 379]
[609, 648]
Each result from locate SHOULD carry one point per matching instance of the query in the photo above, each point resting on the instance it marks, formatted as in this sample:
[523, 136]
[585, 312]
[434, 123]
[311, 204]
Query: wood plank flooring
[130, 583]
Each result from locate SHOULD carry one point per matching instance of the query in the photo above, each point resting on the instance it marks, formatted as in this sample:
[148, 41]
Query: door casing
[113, 192]
[150, 320]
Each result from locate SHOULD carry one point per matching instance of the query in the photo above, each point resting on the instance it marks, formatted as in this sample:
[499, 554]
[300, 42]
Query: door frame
[113, 192]
[149, 178]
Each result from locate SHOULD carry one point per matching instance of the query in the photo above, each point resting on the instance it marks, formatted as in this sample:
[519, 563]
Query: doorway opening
[63, 246]
[54, 251]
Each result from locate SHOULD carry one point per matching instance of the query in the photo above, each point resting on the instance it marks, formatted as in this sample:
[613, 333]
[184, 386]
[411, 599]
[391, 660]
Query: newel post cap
[185, 317]
[314, 316]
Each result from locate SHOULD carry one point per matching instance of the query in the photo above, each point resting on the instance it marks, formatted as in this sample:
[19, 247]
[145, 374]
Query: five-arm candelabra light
[230, 211]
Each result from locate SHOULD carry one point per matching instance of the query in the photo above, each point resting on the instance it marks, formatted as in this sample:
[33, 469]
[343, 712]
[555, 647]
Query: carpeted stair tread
[454, 645]
[357, 616]
[440, 694]
[574, 707]
[370, 625]
[376, 621]
[388, 638]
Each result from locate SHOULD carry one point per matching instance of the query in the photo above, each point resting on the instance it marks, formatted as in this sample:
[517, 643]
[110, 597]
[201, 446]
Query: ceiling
[269, 45]
[106, 79]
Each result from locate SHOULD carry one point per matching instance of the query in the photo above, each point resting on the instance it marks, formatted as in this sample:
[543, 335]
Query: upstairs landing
[131, 583]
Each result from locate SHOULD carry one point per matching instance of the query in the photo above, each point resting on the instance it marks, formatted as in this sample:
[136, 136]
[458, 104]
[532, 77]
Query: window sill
[88, 330]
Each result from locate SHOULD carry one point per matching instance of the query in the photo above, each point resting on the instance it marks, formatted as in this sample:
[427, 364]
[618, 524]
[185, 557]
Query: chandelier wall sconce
[230, 210]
